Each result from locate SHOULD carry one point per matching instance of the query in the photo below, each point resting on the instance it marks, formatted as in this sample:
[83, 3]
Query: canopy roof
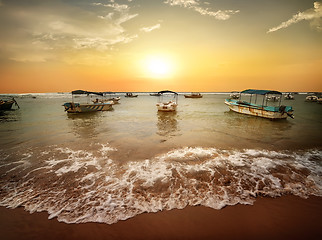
[260, 92]
[167, 91]
[87, 92]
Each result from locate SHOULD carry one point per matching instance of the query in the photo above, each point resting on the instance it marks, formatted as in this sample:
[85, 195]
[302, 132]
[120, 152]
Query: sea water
[113, 165]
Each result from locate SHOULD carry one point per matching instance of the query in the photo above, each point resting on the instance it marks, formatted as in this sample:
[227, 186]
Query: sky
[153, 45]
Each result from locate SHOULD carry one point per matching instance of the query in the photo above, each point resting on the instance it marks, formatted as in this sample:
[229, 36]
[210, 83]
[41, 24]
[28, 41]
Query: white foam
[88, 186]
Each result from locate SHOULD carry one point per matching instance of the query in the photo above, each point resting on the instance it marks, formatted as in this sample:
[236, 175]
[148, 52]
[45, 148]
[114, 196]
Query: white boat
[319, 100]
[90, 106]
[259, 110]
[273, 98]
[288, 96]
[168, 101]
[234, 95]
[311, 98]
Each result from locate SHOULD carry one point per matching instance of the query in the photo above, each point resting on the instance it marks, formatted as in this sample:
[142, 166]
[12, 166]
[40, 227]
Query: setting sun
[158, 67]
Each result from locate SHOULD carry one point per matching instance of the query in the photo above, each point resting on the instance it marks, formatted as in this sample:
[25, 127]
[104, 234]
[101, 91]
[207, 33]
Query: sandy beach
[286, 217]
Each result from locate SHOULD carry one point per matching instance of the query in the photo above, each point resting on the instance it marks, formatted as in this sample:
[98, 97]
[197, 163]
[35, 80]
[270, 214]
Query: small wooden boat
[168, 101]
[94, 106]
[260, 110]
[193, 95]
[7, 102]
[130, 95]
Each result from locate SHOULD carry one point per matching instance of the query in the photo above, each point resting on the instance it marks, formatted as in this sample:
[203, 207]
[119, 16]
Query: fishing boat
[130, 95]
[319, 100]
[168, 101]
[110, 98]
[273, 98]
[259, 110]
[234, 95]
[193, 95]
[155, 94]
[7, 102]
[311, 98]
[289, 96]
[90, 106]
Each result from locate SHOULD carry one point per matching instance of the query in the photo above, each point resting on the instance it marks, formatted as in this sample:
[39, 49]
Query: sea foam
[77, 186]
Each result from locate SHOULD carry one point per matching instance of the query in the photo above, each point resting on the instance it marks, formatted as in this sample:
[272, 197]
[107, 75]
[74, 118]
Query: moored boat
[311, 98]
[94, 106]
[193, 95]
[168, 101]
[288, 96]
[234, 95]
[155, 94]
[260, 110]
[6, 103]
[130, 95]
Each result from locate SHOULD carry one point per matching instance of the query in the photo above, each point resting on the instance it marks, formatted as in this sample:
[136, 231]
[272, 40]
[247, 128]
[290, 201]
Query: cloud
[52, 31]
[313, 15]
[149, 29]
[196, 6]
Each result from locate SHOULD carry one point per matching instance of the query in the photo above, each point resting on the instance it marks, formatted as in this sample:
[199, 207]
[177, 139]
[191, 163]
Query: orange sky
[182, 45]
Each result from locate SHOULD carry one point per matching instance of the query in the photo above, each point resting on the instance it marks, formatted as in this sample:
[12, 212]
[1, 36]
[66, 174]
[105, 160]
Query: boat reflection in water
[167, 124]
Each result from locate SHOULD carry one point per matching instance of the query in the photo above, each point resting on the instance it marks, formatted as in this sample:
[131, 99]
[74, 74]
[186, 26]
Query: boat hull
[167, 107]
[192, 96]
[6, 105]
[83, 108]
[256, 110]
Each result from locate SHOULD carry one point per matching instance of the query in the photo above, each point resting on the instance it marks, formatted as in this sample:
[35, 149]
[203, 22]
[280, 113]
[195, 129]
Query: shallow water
[110, 166]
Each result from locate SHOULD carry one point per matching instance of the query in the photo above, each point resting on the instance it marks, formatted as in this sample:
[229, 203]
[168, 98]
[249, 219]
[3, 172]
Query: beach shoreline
[287, 217]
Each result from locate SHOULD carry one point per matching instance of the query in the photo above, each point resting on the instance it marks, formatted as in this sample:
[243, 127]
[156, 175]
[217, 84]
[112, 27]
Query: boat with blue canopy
[90, 106]
[251, 107]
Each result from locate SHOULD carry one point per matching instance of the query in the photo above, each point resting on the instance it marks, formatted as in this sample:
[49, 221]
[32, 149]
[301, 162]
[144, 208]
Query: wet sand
[286, 217]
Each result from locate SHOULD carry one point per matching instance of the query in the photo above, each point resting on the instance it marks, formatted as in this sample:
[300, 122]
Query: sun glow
[158, 67]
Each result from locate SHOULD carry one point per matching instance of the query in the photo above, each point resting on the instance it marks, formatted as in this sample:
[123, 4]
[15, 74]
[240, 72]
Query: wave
[78, 186]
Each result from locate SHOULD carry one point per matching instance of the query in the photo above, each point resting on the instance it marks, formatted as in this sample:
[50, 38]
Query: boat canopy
[87, 92]
[167, 91]
[260, 92]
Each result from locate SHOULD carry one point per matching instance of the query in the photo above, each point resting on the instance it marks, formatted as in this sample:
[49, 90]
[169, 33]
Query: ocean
[113, 165]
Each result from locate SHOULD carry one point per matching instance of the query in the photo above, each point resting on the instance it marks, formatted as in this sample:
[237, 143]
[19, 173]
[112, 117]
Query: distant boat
[273, 98]
[193, 95]
[130, 95]
[7, 102]
[289, 96]
[114, 100]
[319, 100]
[234, 95]
[94, 106]
[155, 94]
[311, 98]
[260, 110]
[168, 101]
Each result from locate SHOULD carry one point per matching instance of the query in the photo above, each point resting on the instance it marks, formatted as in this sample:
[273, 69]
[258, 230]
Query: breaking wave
[78, 186]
